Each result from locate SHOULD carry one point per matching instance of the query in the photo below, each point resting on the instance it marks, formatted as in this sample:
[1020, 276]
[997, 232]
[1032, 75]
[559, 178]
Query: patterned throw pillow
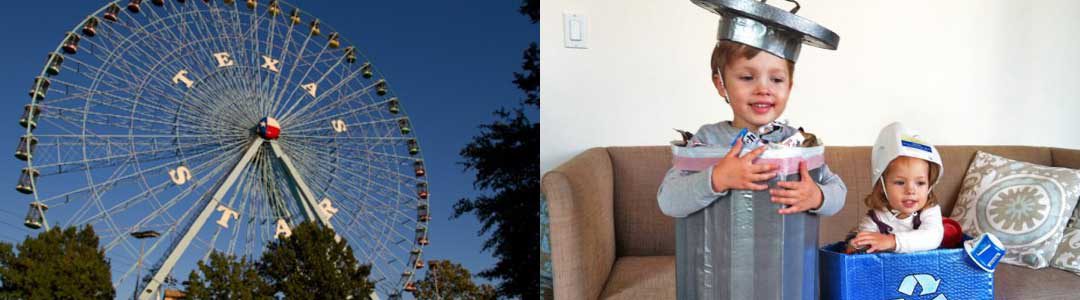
[1068, 252]
[1025, 205]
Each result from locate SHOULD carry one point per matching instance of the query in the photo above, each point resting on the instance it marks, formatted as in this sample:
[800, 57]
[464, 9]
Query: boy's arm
[833, 193]
[927, 237]
[683, 192]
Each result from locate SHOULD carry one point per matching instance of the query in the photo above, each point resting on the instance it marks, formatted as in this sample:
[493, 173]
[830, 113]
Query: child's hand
[734, 172]
[799, 196]
[850, 249]
[875, 241]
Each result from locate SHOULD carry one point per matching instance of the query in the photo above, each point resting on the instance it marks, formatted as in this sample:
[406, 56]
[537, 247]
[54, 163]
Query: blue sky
[451, 63]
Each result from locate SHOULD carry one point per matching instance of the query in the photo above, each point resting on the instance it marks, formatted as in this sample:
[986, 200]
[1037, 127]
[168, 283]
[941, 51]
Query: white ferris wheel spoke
[189, 234]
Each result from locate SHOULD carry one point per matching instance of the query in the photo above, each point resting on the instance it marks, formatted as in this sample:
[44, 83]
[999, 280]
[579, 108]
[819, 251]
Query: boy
[753, 73]
[731, 250]
[756, 84]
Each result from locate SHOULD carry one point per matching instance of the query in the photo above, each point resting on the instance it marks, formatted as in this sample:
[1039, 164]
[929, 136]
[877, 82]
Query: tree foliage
[505, 158]
[56, 264]
[226, 277]
[312, 264]
[311, 259]
[446, 280]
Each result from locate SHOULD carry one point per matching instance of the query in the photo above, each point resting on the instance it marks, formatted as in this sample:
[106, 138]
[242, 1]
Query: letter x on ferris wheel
[178, 128]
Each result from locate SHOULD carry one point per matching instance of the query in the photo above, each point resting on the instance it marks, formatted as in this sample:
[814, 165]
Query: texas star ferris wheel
[178, 128]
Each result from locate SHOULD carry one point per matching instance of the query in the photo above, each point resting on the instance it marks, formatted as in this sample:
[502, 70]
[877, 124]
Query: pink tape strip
[787, 165]
[791, 165]
[695, 164]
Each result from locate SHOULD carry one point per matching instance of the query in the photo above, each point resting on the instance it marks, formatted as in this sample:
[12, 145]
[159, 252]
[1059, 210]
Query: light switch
[574, 30]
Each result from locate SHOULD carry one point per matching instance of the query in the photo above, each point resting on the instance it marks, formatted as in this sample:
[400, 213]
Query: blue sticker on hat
[915, 145]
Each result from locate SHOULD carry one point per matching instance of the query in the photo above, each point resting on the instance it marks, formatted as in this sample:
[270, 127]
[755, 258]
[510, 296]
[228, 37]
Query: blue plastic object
[932, 275]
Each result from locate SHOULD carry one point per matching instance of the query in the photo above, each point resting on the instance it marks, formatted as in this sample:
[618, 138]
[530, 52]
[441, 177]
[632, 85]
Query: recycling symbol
[928, 283]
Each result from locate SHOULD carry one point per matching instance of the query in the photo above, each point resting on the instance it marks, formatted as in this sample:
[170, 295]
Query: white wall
[962, 72]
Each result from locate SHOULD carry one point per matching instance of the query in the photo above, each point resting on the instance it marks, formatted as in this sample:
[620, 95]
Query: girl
[904, 215]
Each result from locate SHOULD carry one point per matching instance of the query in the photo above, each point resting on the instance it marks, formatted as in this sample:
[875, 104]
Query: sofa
[609, 239]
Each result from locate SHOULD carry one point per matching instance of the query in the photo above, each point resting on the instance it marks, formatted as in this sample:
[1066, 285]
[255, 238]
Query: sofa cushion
[1025, 205]
[852, 164]
[1014, 282]
[641, 229]
[641, 277]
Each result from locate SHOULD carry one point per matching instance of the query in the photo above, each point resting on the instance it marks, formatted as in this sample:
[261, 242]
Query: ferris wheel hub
[269, 128]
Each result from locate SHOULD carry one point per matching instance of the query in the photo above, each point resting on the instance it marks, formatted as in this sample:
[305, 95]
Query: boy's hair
[725, 51]
[876, 199]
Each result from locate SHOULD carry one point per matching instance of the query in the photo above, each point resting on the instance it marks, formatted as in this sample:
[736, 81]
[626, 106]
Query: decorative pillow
[1068, 252]
[1025, 205]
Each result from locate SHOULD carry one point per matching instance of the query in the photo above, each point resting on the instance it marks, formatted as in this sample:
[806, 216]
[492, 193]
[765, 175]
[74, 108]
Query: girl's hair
[725, 51]
[876, 199]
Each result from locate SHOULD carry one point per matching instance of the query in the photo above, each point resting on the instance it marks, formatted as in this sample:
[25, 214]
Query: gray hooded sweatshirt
[683, 193]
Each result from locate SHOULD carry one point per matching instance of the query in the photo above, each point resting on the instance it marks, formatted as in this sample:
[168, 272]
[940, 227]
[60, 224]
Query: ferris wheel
[178, 128]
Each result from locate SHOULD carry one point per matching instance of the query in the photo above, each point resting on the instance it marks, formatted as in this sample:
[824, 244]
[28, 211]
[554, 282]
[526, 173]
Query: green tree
[504, 157]
[312, 264]
[225, 277]
[446, 280]
[56, 264]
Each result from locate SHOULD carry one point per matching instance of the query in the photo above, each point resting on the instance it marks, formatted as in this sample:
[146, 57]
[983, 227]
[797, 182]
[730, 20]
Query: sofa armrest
[1065, 158]
[579, 194]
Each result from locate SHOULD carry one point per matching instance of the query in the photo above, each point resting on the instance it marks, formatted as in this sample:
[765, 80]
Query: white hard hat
[897, 140]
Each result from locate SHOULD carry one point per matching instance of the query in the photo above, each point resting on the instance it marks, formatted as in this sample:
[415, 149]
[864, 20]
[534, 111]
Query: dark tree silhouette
[505, 157]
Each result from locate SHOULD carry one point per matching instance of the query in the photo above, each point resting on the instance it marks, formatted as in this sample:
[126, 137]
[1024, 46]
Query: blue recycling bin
[932, 275]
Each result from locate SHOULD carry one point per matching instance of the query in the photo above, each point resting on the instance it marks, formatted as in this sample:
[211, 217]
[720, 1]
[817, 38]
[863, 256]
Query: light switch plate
[575, 30]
